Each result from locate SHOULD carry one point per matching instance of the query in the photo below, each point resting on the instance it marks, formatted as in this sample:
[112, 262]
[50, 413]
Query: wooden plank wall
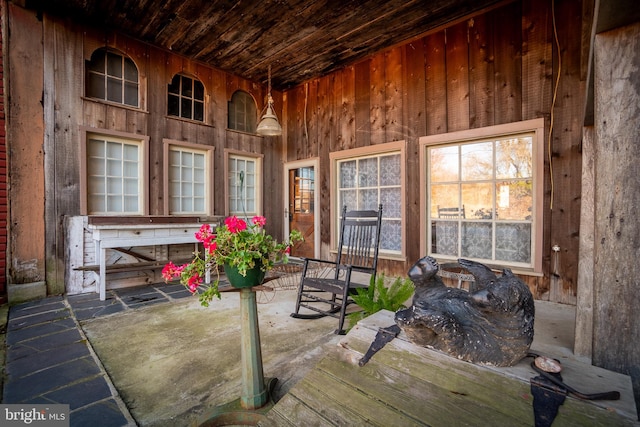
[497, 67]
[66, 111]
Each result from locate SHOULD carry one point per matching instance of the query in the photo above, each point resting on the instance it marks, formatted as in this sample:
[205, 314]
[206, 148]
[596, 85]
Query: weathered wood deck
[407, 385]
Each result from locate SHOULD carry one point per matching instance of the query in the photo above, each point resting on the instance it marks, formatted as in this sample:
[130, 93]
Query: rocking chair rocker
[357, 252]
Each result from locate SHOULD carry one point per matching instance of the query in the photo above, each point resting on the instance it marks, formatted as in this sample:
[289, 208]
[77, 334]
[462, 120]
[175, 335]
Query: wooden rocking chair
[357, 252]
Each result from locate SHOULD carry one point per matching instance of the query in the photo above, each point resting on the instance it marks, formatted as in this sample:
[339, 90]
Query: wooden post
[616, 330]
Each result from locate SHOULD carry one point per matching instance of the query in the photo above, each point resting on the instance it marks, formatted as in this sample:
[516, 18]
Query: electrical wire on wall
[304, 117]
[553, 100]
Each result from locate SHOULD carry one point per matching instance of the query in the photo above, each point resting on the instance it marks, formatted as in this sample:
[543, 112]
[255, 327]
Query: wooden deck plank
[404, 384]
[408, 395]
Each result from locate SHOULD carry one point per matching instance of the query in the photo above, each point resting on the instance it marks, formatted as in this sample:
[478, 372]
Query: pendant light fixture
[269, 125]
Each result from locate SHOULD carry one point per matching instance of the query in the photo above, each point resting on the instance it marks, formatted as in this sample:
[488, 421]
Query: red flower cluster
[208, 239]
[235, 224]
[171, 270]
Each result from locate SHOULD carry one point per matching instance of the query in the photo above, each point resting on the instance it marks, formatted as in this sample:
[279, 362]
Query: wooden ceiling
[300, 39]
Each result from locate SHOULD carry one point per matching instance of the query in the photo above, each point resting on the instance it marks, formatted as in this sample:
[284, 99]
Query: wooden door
[301, 208]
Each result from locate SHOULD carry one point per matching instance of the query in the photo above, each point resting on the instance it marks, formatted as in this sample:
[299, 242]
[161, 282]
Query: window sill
[115, 104]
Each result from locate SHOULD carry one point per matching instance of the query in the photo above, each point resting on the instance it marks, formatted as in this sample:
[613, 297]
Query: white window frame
[396, 147]
[534, 127]
[142, 142]
[241, 155]
[207, 151]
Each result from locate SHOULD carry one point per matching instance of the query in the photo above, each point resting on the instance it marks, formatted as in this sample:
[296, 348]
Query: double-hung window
[114, 176]
[112, 77]
[484, 196]
[367, 177]
[244, 183]
[189, 179]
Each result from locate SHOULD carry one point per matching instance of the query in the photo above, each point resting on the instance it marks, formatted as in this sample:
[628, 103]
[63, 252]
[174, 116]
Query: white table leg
[102, 285]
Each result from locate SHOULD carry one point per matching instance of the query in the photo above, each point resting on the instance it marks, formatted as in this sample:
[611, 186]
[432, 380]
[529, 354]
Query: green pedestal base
[233, 413]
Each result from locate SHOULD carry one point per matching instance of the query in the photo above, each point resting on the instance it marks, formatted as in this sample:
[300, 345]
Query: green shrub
[380, 297]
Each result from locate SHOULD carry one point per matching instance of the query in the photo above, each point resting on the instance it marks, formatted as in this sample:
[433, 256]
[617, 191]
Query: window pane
[198, 90]
[476, 239]
[174, 86]
[368, 199]
[390, 170]
[130, 70]
[347, 174]
[130, 152]
[173, 106]
[477, 200]
[187, 90]
[114, 90]
[95, 86]
[514, 158]
[131, 204]
[349, 199]
[98, 63]
[444, 164]
[444, 196]
[131, 94]
[114, 65]
[198, 111]
[185, 106]
[477, 161]
[368, 172]
[391, 202]
[515, 200]
[445, 238]
[513, 242]
[390, 235]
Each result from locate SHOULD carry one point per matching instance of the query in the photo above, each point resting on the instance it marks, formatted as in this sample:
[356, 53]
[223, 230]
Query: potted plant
[245, 251]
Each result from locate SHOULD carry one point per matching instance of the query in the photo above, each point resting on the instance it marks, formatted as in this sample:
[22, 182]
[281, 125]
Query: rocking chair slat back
[357, 252]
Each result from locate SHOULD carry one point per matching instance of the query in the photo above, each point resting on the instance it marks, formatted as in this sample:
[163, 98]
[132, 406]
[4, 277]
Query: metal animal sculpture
[492, 325]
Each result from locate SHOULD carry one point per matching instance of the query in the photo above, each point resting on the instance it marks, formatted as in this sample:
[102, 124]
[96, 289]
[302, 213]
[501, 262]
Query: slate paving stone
[41, 360]
[49, 361]
[94, 302]
[107, 412]
[26, 388]
[16, 335]
[37, 306]
[81, 394]
[59, 339]
[93, 312]
[36, 319]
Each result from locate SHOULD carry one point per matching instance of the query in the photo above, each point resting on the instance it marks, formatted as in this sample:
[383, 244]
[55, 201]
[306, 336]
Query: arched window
[186, 98]
[242, 112]
[112, 77]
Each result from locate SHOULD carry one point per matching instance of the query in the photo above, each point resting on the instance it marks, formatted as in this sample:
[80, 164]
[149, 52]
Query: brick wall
[3, 171]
